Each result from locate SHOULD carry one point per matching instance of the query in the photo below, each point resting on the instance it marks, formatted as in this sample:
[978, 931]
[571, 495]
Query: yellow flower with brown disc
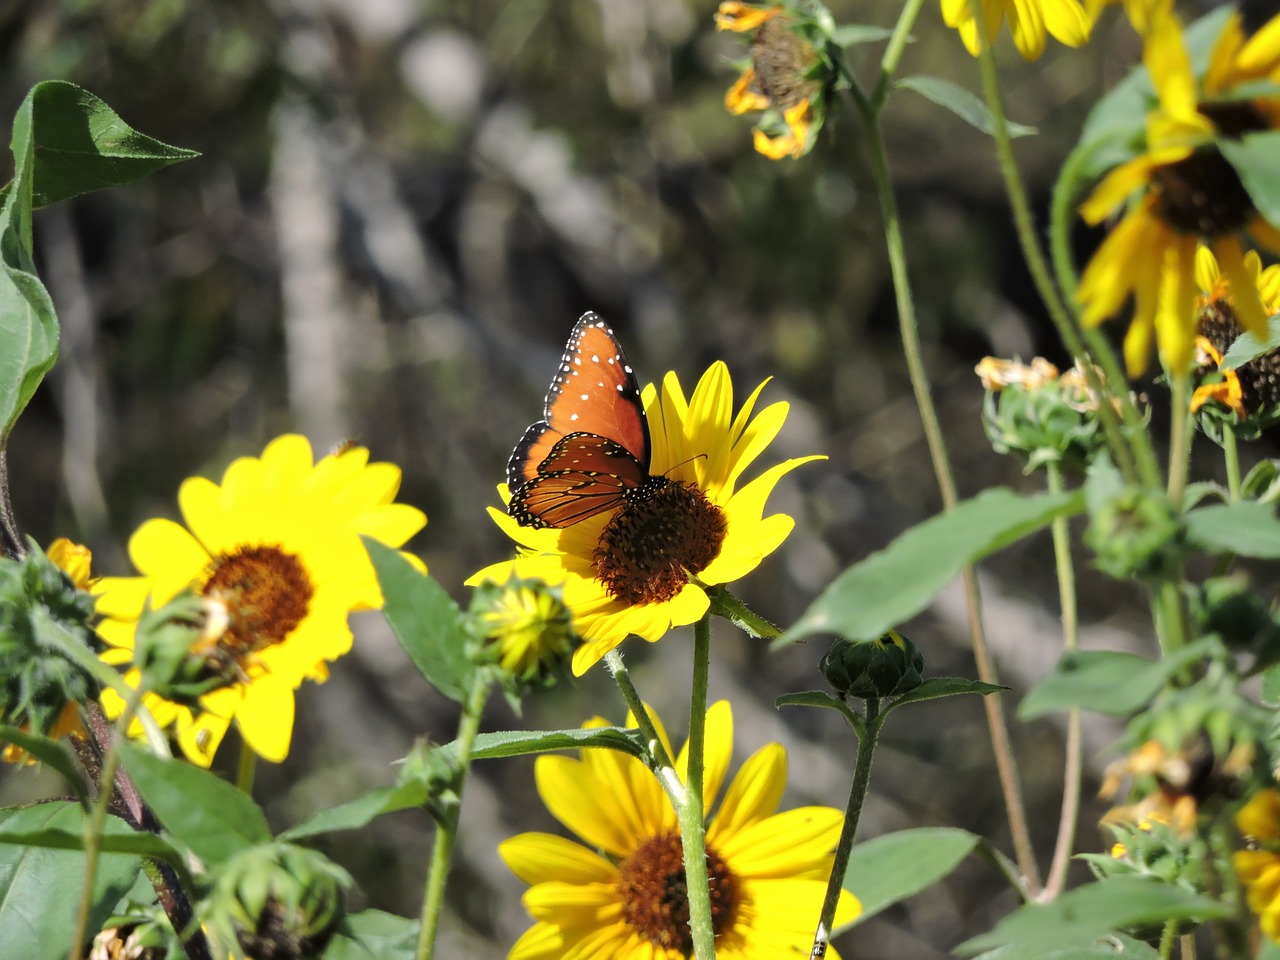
[619, 893]
[277, 546]
[1180, 192]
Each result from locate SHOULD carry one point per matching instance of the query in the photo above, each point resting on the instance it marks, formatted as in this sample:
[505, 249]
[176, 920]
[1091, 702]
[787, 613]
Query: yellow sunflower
[1247, 389]
[1190, 194]
[1259, 868]
[1029, 22]
[277, 543]
[616, 897]
[780, 80]
[644, 568]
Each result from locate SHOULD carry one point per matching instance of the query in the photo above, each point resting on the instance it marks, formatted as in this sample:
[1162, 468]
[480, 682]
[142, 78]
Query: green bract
[40, 612]
[888, 666]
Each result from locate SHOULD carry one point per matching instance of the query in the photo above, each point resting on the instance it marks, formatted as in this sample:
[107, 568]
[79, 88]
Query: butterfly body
[590, 452]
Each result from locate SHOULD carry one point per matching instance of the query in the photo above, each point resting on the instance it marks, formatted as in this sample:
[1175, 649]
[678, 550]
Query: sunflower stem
[11, 542]
[1179, 437]
[447, 820]
[1006, 765]
[247, 768]
[1231, 456]
[1114, 419]
[1072, 764]
[690, 813]
[659, 760]
[97, 819]
[853, 812]
[893, 51]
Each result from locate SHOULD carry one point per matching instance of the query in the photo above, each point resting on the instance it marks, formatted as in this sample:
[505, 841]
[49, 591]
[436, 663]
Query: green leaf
[202, 811]
[1248, 347]
[118, 837]
[515, 743]
[374, 935]
[856, 33]
[1116, 945]
[899, 865]
[82, 145]
[359, 812]
[425, 619]
[937, 687]
[1081, 916]
[40, 888]
[895, 584]
[962, 103]
[28, 324]
[1271, 686]
[820, 698]
[1246, 528]
[1106, 681]
[50, 752]
[1256, 158]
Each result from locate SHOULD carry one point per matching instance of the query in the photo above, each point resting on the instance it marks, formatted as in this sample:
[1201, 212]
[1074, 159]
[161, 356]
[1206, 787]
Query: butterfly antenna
[701, 456]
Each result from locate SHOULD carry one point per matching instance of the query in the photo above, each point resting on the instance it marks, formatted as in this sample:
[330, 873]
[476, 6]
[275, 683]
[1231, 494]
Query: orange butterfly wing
[592, 447]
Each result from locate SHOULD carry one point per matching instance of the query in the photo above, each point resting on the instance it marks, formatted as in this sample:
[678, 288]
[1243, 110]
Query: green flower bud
[41, 614]
[1031, 411]
[282, 902]
[1135, 533]
[177, 651]
[886, 667]
[524, 627]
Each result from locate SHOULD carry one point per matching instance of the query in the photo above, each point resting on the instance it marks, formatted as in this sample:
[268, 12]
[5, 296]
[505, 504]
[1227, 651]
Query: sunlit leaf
[200, 809]
[1081, 916]
[899, 865]
[40, 887]
[895, 584]
[1106, 681]
[425, 620]
[965, 105]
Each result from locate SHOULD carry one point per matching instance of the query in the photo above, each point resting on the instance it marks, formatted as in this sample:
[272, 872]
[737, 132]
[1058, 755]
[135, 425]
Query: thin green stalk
[11, 543]
[1138, 448]
[1073, 766]
[693, 833]
[246, 769]
[725, 604]
[447, 822]
[97, 820]
[853, 812]
[1231, 456]
[1168, 936]
[893, 52]
[1179, 437]
[662, 763]
[1006, 766]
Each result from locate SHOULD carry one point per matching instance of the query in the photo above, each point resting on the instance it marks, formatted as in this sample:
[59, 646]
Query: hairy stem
[852, 814]
[1072, 764]
[1006, 765]
[693, 834]
[447, 821]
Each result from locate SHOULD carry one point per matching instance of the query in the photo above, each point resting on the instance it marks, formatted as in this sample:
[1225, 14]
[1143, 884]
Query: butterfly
[590, 452]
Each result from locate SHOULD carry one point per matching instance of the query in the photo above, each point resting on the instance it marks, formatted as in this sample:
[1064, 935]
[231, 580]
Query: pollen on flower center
[267, 593]
[655, 897]
[665, 532]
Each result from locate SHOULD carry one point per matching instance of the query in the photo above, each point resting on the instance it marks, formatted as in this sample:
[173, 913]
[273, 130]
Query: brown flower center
[782, 60]
[1202, 194]
[655, 897]
[1259, 378]
[665, 531]
[267, 593]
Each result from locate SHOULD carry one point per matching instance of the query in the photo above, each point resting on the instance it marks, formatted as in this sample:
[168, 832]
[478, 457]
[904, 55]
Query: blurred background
[400, 208]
